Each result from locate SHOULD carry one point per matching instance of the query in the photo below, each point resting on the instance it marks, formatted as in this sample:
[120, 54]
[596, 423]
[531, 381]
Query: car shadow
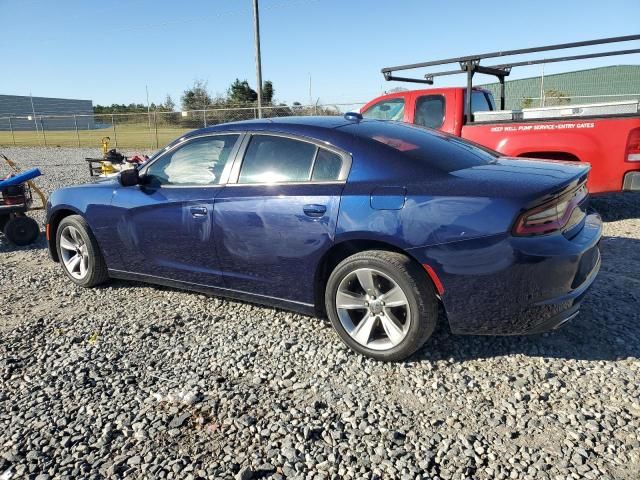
[617, 206]
[607, 328]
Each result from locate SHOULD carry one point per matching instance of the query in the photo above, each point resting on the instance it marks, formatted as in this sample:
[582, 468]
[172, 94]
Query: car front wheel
[381, 304]
[79, 253]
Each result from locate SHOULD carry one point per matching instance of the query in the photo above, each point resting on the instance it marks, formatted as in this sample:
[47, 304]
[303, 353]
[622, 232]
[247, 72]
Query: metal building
[50, 113]
[594, 85]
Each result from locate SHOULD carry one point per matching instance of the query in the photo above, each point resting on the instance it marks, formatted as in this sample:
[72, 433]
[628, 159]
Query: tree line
[167, 106]
[197, 97]
[239, 102]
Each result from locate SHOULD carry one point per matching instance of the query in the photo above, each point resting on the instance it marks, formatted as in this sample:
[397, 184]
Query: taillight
[633, 146]
[550, 216]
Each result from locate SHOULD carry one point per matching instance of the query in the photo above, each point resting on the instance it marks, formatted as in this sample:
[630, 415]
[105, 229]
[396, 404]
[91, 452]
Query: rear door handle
[198, 212]
[314, 210]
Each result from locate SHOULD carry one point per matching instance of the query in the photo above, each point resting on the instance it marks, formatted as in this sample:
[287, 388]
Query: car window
[479, 102]
[327, 166]
[430, 111]
[272, 159]
[392, 109]
[438, 150]
[198, 162]
[491, 100]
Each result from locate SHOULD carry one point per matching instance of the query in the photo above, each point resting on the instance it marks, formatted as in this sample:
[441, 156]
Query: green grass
[125, 136]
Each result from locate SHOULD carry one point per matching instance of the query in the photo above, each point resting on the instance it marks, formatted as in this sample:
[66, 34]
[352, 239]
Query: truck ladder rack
[470, 64]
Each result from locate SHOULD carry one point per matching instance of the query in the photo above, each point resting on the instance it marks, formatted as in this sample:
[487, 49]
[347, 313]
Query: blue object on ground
[21, 178]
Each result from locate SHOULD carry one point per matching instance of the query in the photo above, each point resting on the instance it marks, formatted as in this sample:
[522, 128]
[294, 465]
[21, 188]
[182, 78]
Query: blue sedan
[371, 223]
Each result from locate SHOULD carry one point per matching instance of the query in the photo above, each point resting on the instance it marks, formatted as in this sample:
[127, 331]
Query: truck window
[492, 102]
[479, 102]
[391, 109]
[429, 111]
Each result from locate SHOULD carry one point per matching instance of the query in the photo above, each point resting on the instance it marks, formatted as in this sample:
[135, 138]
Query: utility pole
[256, 28]
[542, 87]
[33, 110]
[146, 87]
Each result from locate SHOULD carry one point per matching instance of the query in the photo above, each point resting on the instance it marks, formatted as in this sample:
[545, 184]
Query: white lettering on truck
[542, 127]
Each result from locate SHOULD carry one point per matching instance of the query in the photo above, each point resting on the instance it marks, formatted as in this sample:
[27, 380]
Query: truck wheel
[79, 252]
[381, 304]
[21, 230]
[3, 221]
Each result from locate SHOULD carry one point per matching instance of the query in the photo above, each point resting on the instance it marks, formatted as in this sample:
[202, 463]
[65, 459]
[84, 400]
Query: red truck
[606, 135]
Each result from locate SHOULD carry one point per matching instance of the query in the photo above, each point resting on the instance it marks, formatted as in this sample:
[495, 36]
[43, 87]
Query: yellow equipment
[105, 145]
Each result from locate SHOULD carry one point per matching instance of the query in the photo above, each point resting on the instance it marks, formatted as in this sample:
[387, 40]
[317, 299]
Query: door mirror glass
[129, 177]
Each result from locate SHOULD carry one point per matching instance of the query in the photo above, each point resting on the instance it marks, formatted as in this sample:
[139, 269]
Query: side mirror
[129, 177]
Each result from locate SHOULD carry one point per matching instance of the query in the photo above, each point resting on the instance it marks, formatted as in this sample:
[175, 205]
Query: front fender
[92, 202]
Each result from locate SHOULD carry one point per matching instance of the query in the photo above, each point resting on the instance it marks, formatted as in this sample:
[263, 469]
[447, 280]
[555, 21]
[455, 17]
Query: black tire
[21, 230]
[96, 266]
[422, 312]
[3, 221]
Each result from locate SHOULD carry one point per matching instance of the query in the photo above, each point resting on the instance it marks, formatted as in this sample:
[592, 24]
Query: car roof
[336, 130]
[320, 122]
[321, 128]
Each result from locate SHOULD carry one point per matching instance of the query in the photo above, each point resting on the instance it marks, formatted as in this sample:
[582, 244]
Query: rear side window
[392, 109]
[429, 111]
[272, 159]
[435, 149]
[327, 166]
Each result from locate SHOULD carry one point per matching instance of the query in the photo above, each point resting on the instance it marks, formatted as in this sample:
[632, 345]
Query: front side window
[272, 159]
[430, 111]
[392, 109]
[198, 162]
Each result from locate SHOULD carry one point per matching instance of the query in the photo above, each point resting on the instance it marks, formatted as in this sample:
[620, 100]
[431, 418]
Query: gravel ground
[131, 381]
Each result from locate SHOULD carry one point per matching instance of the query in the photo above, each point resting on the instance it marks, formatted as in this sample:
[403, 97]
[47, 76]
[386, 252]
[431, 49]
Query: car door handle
[198, 212]
[314, 210]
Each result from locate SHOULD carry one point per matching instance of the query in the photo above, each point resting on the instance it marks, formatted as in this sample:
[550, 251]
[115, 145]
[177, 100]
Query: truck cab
[438, 108]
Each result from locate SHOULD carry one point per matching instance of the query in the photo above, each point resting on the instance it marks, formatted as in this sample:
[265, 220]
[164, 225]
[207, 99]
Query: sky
[109, 51]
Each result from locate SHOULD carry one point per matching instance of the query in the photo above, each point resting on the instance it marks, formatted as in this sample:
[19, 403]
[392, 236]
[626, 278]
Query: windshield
[441, 151]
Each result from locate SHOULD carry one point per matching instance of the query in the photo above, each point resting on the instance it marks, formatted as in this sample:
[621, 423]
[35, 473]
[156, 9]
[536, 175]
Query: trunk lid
[529, 180]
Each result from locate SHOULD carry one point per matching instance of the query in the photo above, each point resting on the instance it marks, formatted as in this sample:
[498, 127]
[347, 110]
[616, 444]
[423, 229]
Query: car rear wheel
[79, 253]
[381, 304]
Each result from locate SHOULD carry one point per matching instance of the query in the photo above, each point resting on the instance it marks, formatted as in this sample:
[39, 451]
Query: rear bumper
[505, 285]
[568, 305]
[631, 182]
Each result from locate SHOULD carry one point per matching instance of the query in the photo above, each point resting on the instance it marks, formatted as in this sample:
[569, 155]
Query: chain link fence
[154, 129]
[138, 130]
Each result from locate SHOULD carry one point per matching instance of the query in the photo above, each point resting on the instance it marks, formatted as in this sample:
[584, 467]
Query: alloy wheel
[74, 252]
[373, 309]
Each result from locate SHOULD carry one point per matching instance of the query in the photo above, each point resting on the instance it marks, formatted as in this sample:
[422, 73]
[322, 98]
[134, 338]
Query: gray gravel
[133, 381]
